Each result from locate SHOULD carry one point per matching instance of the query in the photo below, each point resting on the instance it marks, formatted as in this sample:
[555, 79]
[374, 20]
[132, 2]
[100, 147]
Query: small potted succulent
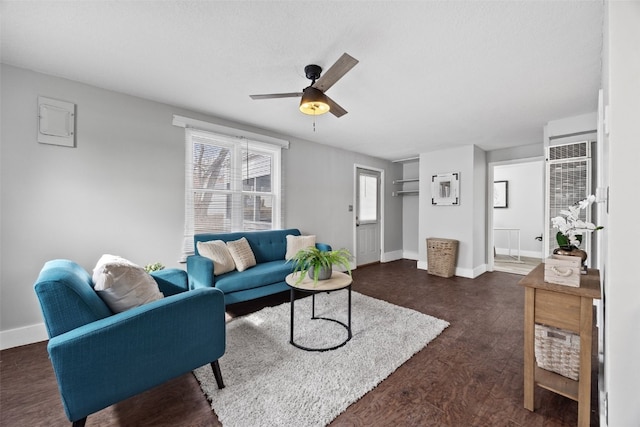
[319, 264]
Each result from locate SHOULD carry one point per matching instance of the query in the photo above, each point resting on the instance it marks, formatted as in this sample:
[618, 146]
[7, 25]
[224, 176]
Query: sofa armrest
[200, 270]
[146, 345]
[171, 281]
[323, 247]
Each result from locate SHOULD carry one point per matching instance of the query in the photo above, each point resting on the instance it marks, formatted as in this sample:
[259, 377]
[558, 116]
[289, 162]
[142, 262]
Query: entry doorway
[515, 215]
[368, 218]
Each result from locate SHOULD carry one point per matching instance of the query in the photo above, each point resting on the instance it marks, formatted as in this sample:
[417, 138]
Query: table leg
[292, 298]
[349, 320]
[584, 385]
[347, 326]
[529, 349]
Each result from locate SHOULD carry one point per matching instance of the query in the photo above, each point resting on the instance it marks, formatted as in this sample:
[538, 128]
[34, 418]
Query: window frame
[376, 179]
[237, 146]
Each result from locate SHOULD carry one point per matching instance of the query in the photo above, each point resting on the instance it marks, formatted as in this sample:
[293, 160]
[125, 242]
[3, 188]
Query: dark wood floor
[471, 375]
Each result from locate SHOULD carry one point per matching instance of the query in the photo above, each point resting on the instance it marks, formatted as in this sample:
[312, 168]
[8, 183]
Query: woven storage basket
[558, 350]
[441, 256]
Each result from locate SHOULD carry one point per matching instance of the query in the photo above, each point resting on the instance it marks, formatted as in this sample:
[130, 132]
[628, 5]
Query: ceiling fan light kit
[314, 101]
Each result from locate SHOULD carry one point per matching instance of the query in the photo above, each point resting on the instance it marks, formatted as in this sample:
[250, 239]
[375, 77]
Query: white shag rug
[269, 382]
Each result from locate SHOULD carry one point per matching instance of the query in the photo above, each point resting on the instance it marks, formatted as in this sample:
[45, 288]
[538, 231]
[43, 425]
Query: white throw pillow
[242, 254]
[295, 243]
[122, 284]
[217, 251]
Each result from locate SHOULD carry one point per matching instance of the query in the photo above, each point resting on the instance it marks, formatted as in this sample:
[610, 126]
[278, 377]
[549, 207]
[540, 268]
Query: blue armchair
[100, 358]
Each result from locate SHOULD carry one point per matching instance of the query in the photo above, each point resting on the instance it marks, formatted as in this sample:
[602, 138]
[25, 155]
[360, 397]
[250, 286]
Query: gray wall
[621, 234]
[519, 152]
[121, 190]
[479, 215]
[465, 222]
[319, 182]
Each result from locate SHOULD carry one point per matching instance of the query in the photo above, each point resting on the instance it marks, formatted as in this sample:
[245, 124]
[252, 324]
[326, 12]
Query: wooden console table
[567, 308]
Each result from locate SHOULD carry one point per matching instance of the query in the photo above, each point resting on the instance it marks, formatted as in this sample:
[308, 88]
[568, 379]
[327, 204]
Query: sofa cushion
[296, 243]
[242, 254]
[218, 252]
[262, 274]
[122, 284]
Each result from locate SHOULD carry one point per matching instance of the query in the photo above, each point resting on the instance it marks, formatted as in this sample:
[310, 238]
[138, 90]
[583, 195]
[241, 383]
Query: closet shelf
[402, 181]
[406, 193]
[412, 190]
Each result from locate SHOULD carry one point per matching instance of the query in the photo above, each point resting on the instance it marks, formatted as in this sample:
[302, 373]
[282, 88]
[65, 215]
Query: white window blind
[231, 184]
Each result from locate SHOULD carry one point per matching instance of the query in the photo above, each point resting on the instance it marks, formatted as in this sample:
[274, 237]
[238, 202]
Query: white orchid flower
[561, 224]
[575, 212]
[574, 240]
[572, 226]
[585, 227]
[566, 213]
[586, 202]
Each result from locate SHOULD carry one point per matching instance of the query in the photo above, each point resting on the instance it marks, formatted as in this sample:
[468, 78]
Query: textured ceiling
[431, 74]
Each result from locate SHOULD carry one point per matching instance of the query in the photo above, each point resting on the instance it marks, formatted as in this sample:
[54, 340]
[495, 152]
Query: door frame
[354, 212]
[490, 178]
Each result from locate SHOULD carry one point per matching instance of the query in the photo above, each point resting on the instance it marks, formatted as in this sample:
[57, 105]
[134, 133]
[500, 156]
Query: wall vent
[570, 151]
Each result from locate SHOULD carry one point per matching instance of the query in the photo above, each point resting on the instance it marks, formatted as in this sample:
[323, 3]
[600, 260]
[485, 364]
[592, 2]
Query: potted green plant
[319, 264]
[153, 267]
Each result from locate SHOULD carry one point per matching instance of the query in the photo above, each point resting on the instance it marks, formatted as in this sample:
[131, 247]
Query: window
[368, 201]
[232, 184]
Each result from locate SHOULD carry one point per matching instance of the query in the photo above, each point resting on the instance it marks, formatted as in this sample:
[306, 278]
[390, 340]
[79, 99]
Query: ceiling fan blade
[277, 95]
[335, 109]
[335, 72]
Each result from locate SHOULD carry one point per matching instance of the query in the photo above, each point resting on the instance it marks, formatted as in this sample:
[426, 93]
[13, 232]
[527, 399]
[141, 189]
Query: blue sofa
[267, 277]
[100, 358]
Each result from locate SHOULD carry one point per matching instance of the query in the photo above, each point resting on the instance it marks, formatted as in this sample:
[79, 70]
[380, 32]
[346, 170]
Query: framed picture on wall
[501, 194]
[445, 189]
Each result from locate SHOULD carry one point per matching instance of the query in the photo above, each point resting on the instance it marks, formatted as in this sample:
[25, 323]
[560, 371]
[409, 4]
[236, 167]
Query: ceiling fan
[313, 99]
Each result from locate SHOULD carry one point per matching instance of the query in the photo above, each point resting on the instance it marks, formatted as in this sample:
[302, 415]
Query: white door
[367, 216]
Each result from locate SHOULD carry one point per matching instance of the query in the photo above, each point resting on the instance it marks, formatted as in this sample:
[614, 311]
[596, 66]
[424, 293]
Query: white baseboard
[481, 269]
[514, 252]
[23, 336]
[470, 273]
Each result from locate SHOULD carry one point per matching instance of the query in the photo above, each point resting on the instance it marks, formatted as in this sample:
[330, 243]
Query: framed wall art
[501, 194]
[445, 189]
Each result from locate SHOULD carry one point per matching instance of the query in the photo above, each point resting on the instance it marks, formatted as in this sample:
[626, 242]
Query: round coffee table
[336, 282]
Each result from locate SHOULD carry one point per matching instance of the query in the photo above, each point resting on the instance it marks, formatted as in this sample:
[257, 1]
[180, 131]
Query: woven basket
[441, 256]
[558, 351]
